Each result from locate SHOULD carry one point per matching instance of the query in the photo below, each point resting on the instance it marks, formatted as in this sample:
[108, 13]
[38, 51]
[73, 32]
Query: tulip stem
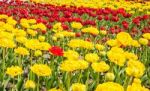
[31, 56]
[112, 67]
[68, 81]
[3, 60]
[128, 81]
[80, 75]
[98, 75]
[87, 81]
[20, 61]
[13, 88]
[38, 84]
[3, 66]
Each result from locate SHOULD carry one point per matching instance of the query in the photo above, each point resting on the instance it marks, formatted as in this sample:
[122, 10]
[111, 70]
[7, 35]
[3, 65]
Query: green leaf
[20, 84]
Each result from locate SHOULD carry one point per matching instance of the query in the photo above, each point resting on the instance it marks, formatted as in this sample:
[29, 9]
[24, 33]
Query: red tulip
[100, 17]
[43, 31]
[115, 18]
[126, 15]
[121, 10]
[67, 14]
[112, 30]
[114, 13]
[51, 19]
[78, 34]
[125, 24]
[102, 28]
[77, 19]
[56, 50]
[65, 27]
[145, 17]
[106, 11]
[88, 39]
[106, 18]
[49, 26]
[136, 21]
[99, 12]
[104, 39]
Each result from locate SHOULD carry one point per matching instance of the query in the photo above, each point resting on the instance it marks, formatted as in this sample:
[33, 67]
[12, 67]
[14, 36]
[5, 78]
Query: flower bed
[48, 47]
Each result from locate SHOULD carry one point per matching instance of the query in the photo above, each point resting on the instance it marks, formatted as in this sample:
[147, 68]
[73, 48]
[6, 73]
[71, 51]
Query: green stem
[146, 56]
[88, 75]
[128, 81]
[13, 88]
[31, 56]
[4, 60]
[111, 66]
[60, 84]
[20, 60]
[68, 81]
[3, 67]
[80, 75]
[98, 75]
[38, 84]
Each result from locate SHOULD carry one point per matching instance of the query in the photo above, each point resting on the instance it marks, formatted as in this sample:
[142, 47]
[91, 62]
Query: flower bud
[109, 76]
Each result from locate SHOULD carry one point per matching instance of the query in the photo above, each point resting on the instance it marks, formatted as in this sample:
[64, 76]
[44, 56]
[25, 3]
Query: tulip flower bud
[103, 53]
[41, 38]
[37, 53]
[103, 32]
[54, 38]
[143, 41]
[109, 76]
